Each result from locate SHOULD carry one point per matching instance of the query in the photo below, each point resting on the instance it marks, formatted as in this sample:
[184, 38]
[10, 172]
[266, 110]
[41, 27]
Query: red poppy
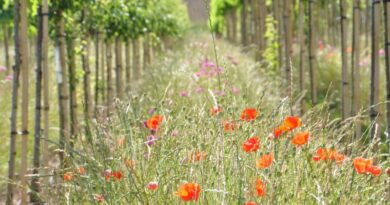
[197, 156]
[81, 170]
[265, 161]
[279, 131]
[361, 164]
[260, 188]
[229, 126]
[364, 166]
[68, 176]
[117, 175]
[300, 139]
[250, 203]
[189, 191]
[328, 154]
[374, 170]
[154, 122]
[291, 122]
[152, 186]
[251, 145]
[99, 198]
[215, 110]
[249, 114]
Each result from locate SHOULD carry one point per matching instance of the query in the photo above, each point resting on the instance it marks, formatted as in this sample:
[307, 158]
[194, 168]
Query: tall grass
[119, 142]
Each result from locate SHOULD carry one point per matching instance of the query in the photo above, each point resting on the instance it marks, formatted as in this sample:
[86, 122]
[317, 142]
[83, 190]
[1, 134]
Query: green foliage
[271, 52]
[218, 11]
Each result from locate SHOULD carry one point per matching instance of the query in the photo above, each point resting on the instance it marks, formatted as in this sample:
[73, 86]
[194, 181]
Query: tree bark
[355, 103]
[87, 81]
[387, 59]
[374, 87]
[14, 108]
[24, 68]
[119, 69]
[97, 69]
[63, 92]
[345, 85]
[244, 22]
[312, 54]
[136, 59]
[288, 46]
[146, 51]
[110, 90]
[74, 125]
[277, 16]
[128, 65]
[302, 54]
[35, 188]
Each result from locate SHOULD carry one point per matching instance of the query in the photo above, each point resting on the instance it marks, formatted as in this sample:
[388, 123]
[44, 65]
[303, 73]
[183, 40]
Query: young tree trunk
[228, 26]
[233, 18]
[74, 126]
[97, 69]
[244, 13]
[119, 69]
[252, 23]
[345, 85]
[387, 59]
[146, 51]
[14, 108]
[6, 48]
[87, 80]
[128, 65]
[312, 54]
[277, 16]
[260, 29]
[103, 71]
[288, 45]
[302, 60]
[355, 104]
[368, 22]
[63, 92]
[374, 87]
[35, 188]
[110, 90]
[136, 59]
[24, 68]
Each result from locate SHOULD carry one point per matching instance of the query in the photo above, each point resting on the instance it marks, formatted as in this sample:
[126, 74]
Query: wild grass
[226, 174]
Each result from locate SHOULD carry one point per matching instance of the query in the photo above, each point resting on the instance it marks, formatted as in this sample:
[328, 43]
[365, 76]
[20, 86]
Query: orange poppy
[300, 138]
[229, 126]
[260, 188]
[328, 154]
[291, 123]
[154, 122]
[81, 170]
[68, 176]
[374, 170]
[152, 186]
[189, 192]
[249, 114]
[121, 141]
[251, 145]
[117, 175]
[197, 156]
[265, 161]
[99, 198]
[361, 164]
[279, 131]
[215, 110]
[250, 203]
[364, 166]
